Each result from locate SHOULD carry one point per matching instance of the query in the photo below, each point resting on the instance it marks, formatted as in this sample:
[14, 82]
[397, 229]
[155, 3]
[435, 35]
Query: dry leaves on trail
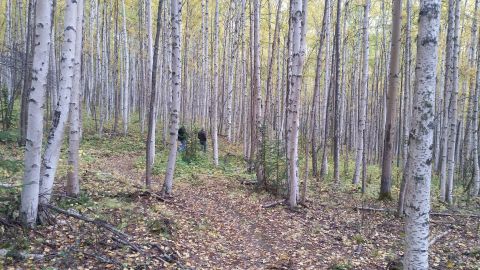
[218, 223]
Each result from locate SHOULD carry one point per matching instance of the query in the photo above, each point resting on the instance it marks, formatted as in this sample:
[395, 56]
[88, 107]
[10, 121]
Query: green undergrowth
[191, 170]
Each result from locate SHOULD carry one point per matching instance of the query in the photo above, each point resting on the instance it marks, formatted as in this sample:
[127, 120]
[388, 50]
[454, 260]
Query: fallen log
[119, 236]
[248, 182]
[445, 214]
[20, 254]
[273, 204]
[98, 222]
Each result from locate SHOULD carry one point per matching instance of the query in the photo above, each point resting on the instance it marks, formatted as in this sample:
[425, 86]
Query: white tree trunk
[295, 81]
[363, 96]
[55, 137]
[452, 114]
[73, 185]
[476, 173]
[126, 60]
[34, 135]
[176, 23]
[419, 162]
[446, 102]
[215, 88]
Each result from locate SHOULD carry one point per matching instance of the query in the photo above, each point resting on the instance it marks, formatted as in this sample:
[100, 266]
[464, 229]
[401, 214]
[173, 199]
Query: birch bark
[419, 162]
[60, 116]
[34, 132]
[176, 23]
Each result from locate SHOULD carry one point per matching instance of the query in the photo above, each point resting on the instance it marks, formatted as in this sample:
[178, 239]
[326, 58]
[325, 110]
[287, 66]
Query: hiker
[202, 137]
[182, 137]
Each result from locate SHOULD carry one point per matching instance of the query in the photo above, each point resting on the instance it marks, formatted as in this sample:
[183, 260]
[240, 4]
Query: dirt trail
[220, 224]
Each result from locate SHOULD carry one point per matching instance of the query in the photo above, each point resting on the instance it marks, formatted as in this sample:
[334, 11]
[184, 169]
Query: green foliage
[8, 113]
[8, 136]
[8, 168]
[9, 203]
[121, 144]
[191, 154]
[275, 166]
[83, 200]
[341, 266]
[162, 226]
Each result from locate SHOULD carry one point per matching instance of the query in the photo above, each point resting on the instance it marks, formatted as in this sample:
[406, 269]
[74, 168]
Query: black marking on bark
[428, 162]
[56, 118]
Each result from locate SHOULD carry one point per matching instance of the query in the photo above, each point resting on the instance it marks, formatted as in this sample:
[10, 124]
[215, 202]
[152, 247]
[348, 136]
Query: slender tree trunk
[476, 169]
[293, 102]
[60, 116]
[176, 19]
[363, 96]
[446, 101]
[258, 95]
[73, 184]
[215, 87]
[153, 104]
[34, 132]
[393, 81]
[452, 139]
[337, 108]
[126, 60]
[419, 161]
[324, 107]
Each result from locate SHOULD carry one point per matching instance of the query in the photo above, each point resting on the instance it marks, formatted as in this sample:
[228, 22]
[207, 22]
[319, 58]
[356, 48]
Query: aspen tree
[447, 95]
[363, 96]
[126, 60]
[419, 162]
[150, 155]
[393, 82]
[452, 114]
[215, 87]
[293, 102]
[176, 19]
[34, 132]
[60, 116]
[257, 99]
[476, 169]
[337, 106]
[73, 185]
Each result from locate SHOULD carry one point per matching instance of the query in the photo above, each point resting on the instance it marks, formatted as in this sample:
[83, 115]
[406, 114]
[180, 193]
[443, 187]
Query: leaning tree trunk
[60, 116]
[73, 185]
[419, 161]
[36, 102]
[176, 20]
[153, 105]
[326, 87]
[393, 80]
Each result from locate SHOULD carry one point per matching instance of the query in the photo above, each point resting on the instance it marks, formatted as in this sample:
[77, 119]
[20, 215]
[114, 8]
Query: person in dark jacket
[202, 137]
[182, 137]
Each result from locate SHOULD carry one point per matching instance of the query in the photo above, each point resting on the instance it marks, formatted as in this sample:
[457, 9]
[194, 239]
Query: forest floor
[215, 221]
